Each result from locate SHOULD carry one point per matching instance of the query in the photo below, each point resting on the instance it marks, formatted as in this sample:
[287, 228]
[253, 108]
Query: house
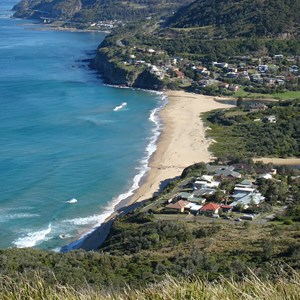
[203, 192]
[251, 198]
[234, 88]
[178, 73]
[271, 119]
[257, 107]
[178, 206]
[232, 69]
[262, 68]
[197, 200]
[214, 168]
[294, 69]
[246, 183]
[226, 208]
[248, 217]
[206, 181]
[224, 85]
[256, 78]
[183, 196]
[227, 173]
[265, 176]
[193, 208]
[244, 75]
[244, 189]
[220, 65]
[210, 209]
[278, 56]
[280, 81]
[232, 75]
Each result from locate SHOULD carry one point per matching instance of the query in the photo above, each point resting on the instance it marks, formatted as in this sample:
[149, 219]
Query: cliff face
[148, 81]
[116, 75]
[110, 72]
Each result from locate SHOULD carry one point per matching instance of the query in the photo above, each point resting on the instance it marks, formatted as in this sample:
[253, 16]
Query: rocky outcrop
[114, 74]
[147, 80]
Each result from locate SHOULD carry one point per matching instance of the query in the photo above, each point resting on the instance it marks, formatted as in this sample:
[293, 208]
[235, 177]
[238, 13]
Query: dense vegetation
[239, 132]
[96, 10]
[241, 18]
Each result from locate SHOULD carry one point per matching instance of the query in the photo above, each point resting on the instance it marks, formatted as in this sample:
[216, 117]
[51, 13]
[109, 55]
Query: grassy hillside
[276, 18]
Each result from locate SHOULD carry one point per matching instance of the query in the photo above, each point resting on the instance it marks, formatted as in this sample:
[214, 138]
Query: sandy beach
[182, 143]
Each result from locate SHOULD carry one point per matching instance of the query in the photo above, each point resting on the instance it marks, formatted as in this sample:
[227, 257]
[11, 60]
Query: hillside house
[257, 107]
[204, 192]
[226, 208]
[271, 119]
[193, 208]
[178, 206]
[228, 173]
[249, 199]
[210, 209]
[262, 68]
[206, 181]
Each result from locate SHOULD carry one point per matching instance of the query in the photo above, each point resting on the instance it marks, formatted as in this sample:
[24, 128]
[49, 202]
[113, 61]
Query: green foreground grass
[251, 287]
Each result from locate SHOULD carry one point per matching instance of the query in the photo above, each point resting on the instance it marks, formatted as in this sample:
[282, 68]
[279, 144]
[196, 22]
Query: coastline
[182, 143]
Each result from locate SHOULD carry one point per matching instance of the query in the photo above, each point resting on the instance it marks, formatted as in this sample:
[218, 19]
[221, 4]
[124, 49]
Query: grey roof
[227, 172]
[256, 198]
[213, 168]
[202, 192]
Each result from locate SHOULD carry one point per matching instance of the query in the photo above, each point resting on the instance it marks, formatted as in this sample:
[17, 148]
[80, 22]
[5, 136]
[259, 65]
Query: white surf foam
[72, 201]
[150, 149]
[33, 238]
[143, 168]
[83, 221]
[120, 106]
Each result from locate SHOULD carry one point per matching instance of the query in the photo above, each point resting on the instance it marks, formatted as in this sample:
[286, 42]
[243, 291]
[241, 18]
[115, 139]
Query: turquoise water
[60, 137]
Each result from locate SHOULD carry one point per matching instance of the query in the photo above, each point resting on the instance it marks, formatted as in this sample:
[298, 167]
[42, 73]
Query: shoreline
[182, 142]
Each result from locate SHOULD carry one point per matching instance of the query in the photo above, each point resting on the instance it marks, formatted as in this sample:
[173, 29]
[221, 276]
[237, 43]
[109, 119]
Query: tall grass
[252, 287]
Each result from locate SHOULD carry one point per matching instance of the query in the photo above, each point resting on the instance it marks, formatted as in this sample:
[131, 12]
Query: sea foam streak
[72, 201]
[120, 106]
[14, 216]
[33, 238]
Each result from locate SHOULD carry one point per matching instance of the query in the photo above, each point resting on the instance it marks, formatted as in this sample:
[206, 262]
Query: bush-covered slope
[242, 18]
[94, 10]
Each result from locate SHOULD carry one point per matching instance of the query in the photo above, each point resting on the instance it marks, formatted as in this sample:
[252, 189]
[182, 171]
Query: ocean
[69, 149]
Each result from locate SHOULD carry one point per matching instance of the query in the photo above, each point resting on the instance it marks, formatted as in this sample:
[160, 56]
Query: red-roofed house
[210, 209]
[179, 205]
[226, 208]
